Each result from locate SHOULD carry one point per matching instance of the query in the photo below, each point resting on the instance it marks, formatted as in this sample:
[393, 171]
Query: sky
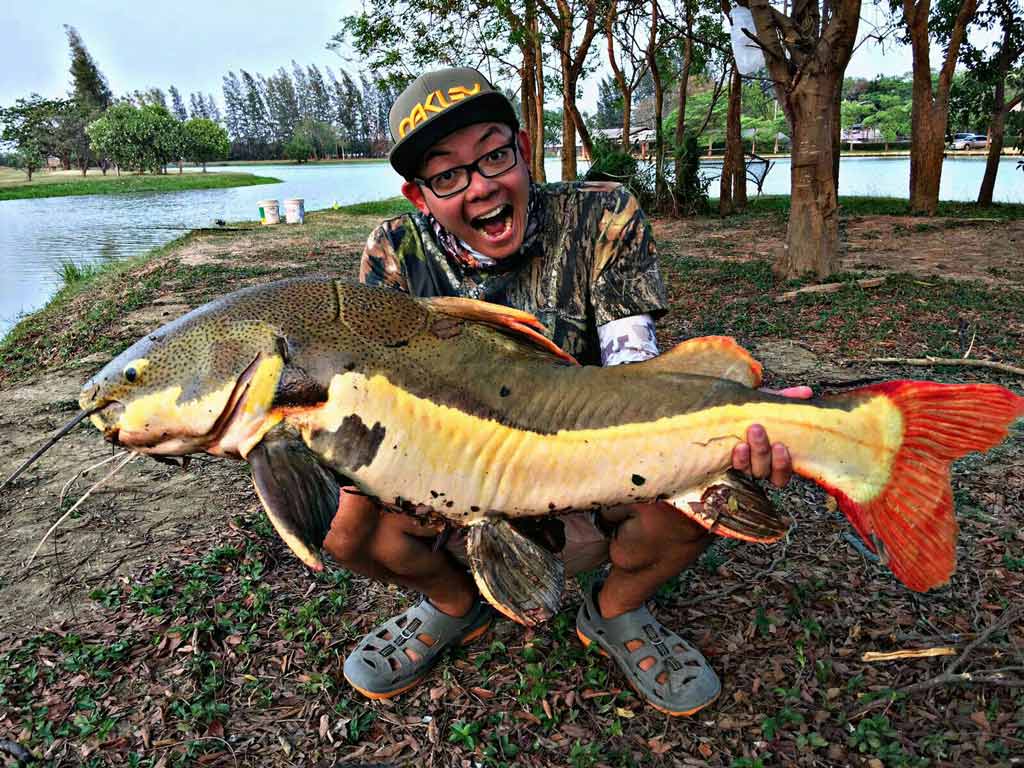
[192, 44]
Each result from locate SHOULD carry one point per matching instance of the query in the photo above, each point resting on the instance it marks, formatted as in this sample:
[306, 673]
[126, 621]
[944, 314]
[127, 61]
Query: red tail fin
[910, 523]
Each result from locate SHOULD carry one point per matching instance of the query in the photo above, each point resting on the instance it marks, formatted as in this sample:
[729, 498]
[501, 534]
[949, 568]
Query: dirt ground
[981, 248]
[785, 625]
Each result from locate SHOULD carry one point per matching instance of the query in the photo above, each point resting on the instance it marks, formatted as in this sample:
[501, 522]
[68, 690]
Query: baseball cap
[438, 103]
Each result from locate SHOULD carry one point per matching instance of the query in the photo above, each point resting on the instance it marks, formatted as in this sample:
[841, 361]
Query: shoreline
[75, 185]
[369, 213]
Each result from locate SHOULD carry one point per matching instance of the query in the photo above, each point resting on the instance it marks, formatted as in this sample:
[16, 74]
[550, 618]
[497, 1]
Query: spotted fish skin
[460, 410]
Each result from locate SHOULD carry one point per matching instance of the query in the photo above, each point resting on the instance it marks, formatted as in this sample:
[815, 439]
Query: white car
[968, 141]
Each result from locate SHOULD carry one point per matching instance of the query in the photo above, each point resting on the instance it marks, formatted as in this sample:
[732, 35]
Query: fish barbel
[463, 411]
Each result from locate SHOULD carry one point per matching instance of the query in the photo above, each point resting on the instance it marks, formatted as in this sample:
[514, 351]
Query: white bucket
[295, 210]
[269, 212]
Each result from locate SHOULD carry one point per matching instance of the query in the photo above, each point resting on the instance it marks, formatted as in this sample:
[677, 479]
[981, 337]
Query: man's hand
[762, 458]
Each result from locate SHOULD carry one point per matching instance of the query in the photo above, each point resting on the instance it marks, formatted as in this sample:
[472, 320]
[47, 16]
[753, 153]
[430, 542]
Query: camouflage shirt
[588, 258]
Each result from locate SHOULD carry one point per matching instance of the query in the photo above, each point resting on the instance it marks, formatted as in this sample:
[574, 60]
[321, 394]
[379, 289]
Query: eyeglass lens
[454, 180]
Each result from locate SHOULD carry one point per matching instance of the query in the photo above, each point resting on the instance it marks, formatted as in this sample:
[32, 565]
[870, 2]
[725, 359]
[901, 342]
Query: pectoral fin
[520, 578]
[734, 506]
[299, 494]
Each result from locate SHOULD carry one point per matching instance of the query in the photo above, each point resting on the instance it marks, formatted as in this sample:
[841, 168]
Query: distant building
[861, 133]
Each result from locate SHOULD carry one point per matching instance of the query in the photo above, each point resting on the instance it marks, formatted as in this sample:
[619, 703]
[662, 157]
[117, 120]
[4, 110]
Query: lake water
[36, 236]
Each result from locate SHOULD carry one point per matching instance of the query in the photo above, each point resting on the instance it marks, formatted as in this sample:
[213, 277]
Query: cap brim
[490, 107]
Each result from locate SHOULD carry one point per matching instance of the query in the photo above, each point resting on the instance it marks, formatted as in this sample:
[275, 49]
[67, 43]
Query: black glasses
[455, 180]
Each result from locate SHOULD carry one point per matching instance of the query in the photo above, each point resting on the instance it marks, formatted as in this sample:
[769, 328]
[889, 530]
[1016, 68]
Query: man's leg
[652, 543]
[397, 549]
[394, 548]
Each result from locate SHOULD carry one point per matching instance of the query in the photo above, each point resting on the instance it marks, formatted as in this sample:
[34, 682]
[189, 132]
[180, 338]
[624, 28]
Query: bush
[691, 190]
[610, 162]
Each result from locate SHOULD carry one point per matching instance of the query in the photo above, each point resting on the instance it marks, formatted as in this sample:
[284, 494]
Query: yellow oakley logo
[435, 102]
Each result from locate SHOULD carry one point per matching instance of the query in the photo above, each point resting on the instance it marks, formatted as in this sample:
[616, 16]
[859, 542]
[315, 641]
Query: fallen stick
[932, 361]
[920, 653]
[869, 282]
[949, 676]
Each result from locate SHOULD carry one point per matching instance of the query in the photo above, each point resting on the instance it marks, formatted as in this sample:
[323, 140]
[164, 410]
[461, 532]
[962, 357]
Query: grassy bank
[14, 186]
[201, 640]
[330, 161]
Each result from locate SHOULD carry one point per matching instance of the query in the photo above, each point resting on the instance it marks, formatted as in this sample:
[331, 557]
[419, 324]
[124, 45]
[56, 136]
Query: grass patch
[904, 316]
[893, 206]
[71, 272]
[64, 186]
[391, 206]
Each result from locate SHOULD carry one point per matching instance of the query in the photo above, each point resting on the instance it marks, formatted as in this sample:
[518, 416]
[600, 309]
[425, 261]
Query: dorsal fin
[514, 321]
[718, 356]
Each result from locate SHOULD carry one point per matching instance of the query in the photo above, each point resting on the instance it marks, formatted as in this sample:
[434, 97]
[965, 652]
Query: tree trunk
[997, 128]
[928, 127]
[627, 108]
[539, 174]
[812, 240]
[684, 81]
[732, 185]
[568, 142]
[929, 112]
[997, 122]
[527, 102]
[837, 135]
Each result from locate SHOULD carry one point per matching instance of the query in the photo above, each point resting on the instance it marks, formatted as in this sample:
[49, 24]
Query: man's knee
[352, 528]
[663, 522]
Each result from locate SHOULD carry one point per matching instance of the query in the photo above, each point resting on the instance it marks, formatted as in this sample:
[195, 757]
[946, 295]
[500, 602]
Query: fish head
[204, 383]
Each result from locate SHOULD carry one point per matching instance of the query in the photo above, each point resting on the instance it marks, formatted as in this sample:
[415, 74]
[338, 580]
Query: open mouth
[496, 223]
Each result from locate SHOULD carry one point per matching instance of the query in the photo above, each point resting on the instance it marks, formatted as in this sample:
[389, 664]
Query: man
[581, 258]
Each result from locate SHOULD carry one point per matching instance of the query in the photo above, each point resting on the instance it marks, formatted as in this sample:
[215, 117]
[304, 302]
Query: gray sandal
[395, 656]
[687, 682]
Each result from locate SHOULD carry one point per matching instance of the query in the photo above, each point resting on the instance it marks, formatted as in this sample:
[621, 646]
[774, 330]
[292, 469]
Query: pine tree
[90, 96]
[302, 93]
[254, 116]
[282, 106]
[197, 105]
[156, 97]
[233, 107]
[177, 106]
[212, 110]
[319, 98]
[90, 89]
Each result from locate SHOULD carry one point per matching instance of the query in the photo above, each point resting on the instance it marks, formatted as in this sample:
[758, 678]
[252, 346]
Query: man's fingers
[782, 465]
[760, 452]
[741, 458]
[799, 393]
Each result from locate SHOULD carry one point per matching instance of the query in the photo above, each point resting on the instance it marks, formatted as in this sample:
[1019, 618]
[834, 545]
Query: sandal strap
[380, 663]
[690, 683]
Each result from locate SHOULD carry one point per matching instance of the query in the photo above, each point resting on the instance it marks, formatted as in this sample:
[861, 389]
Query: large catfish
[463, 411]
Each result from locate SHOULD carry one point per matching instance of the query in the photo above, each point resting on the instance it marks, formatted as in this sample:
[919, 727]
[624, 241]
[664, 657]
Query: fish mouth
[496, 224]
[182, 441]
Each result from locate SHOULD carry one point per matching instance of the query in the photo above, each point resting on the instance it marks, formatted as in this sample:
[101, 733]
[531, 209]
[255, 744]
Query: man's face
[490, 214]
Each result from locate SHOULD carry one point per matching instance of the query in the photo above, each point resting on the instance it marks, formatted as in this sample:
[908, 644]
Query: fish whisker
[127, 456]
[82, 473]
[49, 444]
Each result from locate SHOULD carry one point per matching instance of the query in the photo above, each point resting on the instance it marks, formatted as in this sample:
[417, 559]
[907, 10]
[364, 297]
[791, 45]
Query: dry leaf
[705, 750]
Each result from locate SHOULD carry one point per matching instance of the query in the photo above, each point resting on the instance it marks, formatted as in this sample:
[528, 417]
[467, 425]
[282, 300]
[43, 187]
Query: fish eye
[130, 374]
